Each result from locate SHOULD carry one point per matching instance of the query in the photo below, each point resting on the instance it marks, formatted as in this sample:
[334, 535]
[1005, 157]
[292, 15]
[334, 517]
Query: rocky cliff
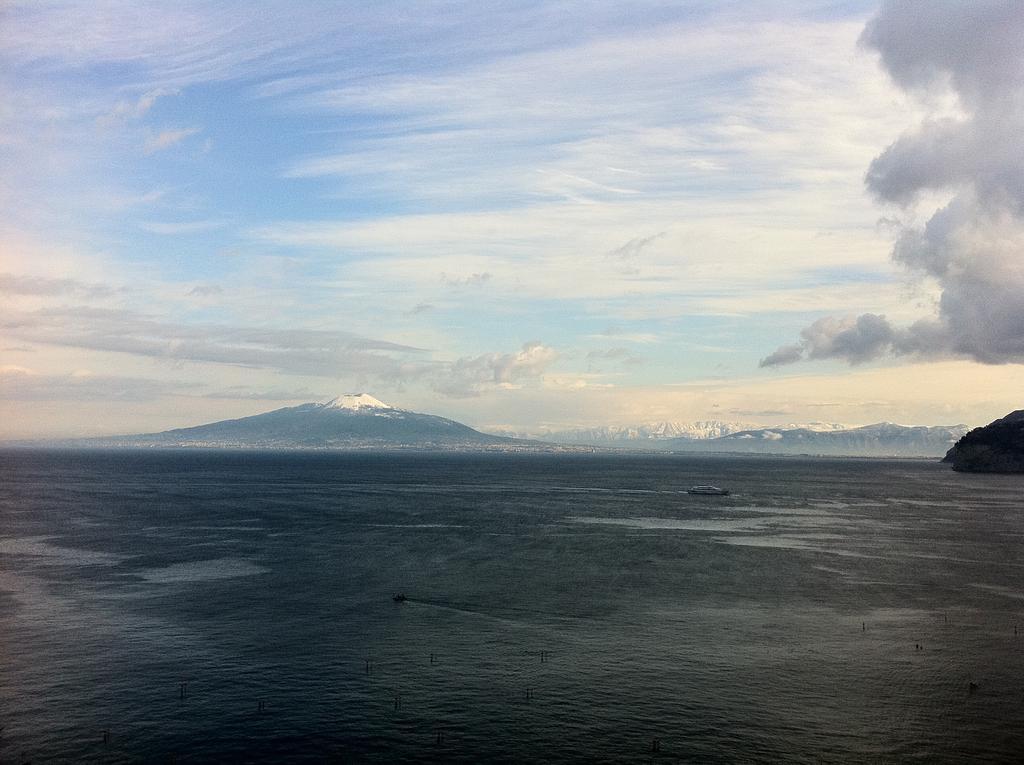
[995, 448]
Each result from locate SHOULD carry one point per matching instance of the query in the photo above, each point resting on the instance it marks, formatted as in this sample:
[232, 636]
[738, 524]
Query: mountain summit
[356, 402]
[350, 421]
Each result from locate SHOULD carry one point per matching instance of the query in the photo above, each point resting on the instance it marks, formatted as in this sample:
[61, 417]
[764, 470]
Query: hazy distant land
[360, 422]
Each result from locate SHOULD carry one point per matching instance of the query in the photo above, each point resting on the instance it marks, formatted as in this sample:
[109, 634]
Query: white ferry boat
[707, 490]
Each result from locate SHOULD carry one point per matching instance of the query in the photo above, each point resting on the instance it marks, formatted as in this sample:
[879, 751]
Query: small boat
[707, 490]
[399, 598]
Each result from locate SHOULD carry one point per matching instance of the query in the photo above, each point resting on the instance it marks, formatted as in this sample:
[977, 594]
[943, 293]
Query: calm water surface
[212, 607]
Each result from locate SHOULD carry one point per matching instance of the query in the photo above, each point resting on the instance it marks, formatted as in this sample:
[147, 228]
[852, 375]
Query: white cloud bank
[972, 246]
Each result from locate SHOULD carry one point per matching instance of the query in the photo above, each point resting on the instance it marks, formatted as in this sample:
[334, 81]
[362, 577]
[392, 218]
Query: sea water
[208, 607]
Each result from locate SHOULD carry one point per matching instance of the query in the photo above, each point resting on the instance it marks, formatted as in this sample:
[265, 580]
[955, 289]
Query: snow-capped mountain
[655, 434]
[880, 439]
[360, 421]
[817, 427]
[355, 402]
[641, 435]
[350, 421]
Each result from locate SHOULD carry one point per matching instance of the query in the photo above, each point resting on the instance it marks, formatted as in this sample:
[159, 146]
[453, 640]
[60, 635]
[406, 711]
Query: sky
[525, 216]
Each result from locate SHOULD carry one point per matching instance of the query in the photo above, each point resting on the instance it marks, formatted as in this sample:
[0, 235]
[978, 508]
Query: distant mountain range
[354, 421]
[360, 421]
[640, 435]
[656, 434]
[882, 439]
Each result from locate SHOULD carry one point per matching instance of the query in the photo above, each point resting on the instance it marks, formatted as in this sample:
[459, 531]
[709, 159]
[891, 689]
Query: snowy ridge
[654, 431]
[659, 431]
[817, 427]
[883, 439]
[355, 402]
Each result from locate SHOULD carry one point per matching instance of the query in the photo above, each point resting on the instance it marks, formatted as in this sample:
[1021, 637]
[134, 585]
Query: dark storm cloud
[974, 246]
[786, 354]
[854, 339]
[974, 46]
